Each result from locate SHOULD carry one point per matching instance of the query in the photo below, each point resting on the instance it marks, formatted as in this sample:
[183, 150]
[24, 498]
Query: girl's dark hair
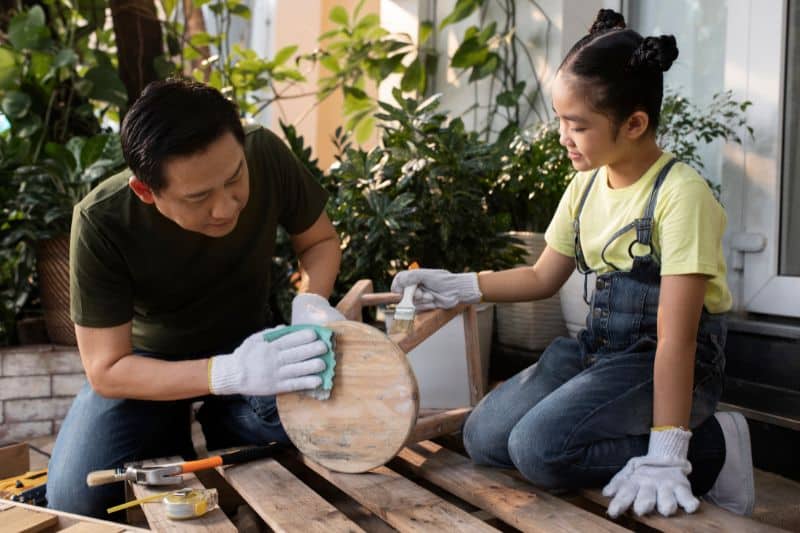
[171, 118]
[621, 71]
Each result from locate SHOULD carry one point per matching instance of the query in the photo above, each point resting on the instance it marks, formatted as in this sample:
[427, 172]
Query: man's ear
[141, 189]
[636, 125]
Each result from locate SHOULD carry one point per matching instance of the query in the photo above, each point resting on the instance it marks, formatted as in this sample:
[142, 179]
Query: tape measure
[190, 503]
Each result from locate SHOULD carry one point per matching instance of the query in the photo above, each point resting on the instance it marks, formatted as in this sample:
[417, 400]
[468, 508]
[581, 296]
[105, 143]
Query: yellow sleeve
[689, 230]
[560, 235]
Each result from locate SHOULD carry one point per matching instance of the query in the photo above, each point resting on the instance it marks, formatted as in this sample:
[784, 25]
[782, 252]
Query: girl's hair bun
[655, 54]
[607, 19]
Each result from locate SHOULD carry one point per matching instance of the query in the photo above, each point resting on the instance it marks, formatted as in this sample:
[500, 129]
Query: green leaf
[164, 67]
[106, 86]
[9, 72]
[339, 16]
[364, 129]
[487, 68]
[469, 54]
[65, 58]
[414, 77]
[425, 31]
[331, 63]
[15, 104]
[92, 150]
[463, 9]
[241, 10]
[27, 29]
[200, 39]
[28, 125]
[369, 21]
[284, 54]
[40, 65]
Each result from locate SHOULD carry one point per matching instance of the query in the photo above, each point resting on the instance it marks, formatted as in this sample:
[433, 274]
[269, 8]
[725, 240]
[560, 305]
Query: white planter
[440, 362]
[573, 307]
[530, 325]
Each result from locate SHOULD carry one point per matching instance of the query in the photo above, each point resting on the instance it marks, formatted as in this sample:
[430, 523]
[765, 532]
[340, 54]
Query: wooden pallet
[427, 487]
[22, 518]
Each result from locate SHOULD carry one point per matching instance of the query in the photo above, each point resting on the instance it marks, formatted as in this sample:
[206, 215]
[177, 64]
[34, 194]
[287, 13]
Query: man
[170, 277]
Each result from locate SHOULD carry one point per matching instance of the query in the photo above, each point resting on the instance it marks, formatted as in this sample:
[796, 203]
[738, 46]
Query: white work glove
[656, 480]
[261, 368]
[439, 288]
[308, 308]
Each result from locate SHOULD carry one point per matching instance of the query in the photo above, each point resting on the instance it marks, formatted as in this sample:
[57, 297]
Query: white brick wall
[37, 385]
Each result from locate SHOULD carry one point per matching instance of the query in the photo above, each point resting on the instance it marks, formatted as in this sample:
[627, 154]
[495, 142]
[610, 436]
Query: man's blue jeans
[100, 433]
[574, 419]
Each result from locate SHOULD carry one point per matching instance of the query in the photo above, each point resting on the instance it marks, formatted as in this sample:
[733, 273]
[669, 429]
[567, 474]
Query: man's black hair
[174, 118]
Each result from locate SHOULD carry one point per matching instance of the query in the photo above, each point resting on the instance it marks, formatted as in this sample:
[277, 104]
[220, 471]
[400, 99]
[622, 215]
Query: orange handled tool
[171, 474]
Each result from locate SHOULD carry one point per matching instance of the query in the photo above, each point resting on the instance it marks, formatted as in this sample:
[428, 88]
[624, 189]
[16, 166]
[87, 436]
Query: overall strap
[576, 225]
[644, 225]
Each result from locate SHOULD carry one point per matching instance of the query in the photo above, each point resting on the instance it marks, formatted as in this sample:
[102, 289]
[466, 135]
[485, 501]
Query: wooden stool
[373, 410]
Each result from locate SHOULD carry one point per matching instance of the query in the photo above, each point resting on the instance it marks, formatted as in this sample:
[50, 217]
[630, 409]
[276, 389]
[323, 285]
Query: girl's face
[588, 136]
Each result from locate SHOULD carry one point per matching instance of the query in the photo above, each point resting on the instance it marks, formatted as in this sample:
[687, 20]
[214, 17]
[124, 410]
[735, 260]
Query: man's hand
[313, 309]
[439, 288]
[657, 480]
[261, 368]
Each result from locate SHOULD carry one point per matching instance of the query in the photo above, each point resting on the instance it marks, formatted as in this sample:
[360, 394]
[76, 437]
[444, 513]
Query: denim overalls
[576, 417]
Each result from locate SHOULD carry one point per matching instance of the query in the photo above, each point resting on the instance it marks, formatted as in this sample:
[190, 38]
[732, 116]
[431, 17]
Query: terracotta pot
[52, 264]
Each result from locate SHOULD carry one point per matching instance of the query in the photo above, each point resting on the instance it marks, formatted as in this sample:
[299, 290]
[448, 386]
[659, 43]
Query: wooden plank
[477, 386]
[399, 502]
[514, 501]
[350, 305]
[441, 423]
[90, 527]
[707, 518]
[277, 496]
[769, 418]
[19, 520]
[777, 501]
[213, 521]
[425, 325]
[66, 520]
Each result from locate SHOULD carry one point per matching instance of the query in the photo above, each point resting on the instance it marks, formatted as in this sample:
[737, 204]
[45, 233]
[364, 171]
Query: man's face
[206, 191]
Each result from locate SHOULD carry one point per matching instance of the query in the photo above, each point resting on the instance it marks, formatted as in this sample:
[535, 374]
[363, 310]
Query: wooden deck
[431, 486]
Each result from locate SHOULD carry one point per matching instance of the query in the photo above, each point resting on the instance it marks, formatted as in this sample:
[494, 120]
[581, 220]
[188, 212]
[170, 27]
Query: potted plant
[534, 174]
[52, 152]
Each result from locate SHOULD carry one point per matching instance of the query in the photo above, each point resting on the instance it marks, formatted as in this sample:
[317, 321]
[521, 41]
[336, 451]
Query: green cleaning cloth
[325, 335]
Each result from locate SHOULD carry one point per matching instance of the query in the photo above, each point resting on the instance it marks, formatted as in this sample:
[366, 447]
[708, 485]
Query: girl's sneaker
[734, 489]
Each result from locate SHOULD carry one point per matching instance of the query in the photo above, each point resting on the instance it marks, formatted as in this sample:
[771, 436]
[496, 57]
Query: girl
[631, 400]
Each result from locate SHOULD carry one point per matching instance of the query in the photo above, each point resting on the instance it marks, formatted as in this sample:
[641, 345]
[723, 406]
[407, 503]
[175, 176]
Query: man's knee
[485, 441]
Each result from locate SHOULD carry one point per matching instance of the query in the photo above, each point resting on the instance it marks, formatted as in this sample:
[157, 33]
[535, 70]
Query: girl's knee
[540, 460]
[484, 441]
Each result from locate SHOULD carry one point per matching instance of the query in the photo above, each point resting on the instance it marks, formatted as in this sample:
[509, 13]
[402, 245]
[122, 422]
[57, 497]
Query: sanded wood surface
[284, 502]
[707, 518]
[514, 501]
[426, 324]
[19, 520]
[478, 381]
[400, 502]
[156, 513]
[372, 408]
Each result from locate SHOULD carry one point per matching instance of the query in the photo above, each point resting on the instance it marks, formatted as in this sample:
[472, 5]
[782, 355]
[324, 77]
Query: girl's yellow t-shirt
[688, 225]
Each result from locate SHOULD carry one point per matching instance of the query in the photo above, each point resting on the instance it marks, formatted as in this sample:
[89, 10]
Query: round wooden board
[372, 409]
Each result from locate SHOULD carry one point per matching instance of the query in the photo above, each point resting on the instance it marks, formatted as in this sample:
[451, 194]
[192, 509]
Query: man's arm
[114, 372]
[317, 249]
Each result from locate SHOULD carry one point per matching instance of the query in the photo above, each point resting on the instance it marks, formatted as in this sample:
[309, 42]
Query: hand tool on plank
[170, 474]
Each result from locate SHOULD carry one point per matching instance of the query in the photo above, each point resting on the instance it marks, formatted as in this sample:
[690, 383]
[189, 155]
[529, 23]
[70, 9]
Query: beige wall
[300, 22]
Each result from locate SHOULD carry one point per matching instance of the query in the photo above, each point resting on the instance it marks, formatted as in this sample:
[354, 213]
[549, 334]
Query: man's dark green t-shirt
[185, 292]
